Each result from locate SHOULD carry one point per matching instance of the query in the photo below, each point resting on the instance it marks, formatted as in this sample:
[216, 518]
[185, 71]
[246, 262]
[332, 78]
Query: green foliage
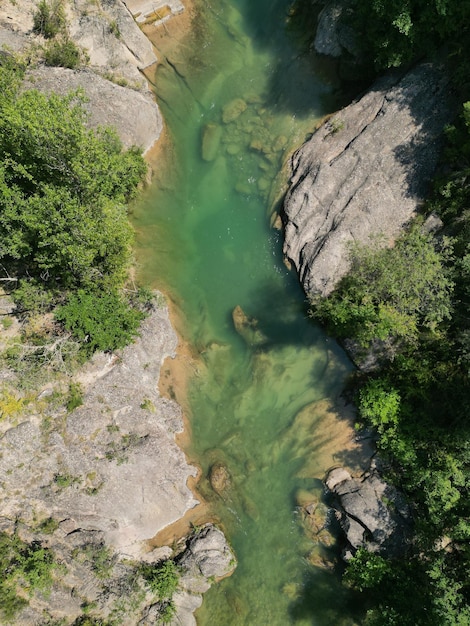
[162, 578]
[74, 397]
[31, 297]
[100, 558]
[63, 52]
[167, 612]
[390, 293]
[87, 620]
[49, 18]
[64, 480]
[63, 187]
[48, 526]
[7, 322]
[100, 321]
[25, 568]
[11, 404]
[395, 32]
[366, 570]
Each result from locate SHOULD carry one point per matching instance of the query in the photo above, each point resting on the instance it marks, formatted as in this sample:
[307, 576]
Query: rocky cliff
[365, 171]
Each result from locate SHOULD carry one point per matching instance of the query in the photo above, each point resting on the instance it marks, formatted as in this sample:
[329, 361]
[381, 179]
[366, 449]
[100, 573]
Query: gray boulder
[372, 514]
[333, 36]
[364, 172]
[207, 558]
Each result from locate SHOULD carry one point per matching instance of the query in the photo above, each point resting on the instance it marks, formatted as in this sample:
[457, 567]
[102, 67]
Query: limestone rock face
[135, 115]
[372, 513]
[114, 43]
[112, 465]
[364, 172]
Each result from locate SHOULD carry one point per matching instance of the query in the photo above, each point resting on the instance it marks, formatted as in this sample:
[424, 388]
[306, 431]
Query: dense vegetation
[65, 239]
[410, 305]
[26, 568]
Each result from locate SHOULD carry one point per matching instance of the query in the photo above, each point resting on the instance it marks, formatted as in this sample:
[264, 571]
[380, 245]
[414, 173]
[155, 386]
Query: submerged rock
[373, 514]
[233, 110]
[246, 327]
[211, 136]
[364, 172]
[219, 478]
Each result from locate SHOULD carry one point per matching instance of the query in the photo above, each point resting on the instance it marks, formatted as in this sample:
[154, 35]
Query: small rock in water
[219, 478]
[233, 148]
[280, 143]
[233, 109]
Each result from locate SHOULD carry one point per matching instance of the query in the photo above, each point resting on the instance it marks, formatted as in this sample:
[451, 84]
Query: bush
[63, 53]
[75, 397]
[49, 18]
[99, 321]
[162, 578]
[63, 189]
[25, 569]
[391, 292]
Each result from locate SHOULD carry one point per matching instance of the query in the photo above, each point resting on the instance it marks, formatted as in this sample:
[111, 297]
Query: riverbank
[108, 474]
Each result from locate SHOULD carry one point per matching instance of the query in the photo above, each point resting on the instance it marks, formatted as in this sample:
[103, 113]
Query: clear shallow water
[237, 96]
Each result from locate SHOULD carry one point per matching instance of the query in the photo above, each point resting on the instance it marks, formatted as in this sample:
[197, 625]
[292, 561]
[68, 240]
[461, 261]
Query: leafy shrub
[162, 578]
[63, 53]
[75, 397]
[31, 297]
[10, 404]
[63, 187]
[25, 569]
[99, 321]
[49, 18]
[48, 526]
[390, 292]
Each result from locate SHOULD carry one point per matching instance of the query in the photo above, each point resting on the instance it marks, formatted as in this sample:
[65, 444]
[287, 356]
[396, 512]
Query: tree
[100, 321]
[390, 293]
[63, 189]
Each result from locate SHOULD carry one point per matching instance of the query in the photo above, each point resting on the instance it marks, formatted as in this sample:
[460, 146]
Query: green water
[204, 236]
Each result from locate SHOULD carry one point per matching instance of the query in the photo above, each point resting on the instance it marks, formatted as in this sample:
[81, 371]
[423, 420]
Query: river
[237, 95]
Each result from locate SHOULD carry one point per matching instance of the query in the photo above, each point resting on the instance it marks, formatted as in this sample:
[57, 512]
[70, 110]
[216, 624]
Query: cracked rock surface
[112, 465]
[372, 514]
[364, 172]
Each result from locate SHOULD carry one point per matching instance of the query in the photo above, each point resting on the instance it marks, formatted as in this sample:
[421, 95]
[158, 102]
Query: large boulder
[372, 514]
[364, 172]
[207, 557]
[333, 36]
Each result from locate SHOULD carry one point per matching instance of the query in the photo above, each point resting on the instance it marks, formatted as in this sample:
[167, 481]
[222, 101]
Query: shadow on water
[323, 600]
[298, 74]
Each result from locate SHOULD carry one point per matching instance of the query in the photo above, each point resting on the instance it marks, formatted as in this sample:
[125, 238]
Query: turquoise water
[237, 96]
